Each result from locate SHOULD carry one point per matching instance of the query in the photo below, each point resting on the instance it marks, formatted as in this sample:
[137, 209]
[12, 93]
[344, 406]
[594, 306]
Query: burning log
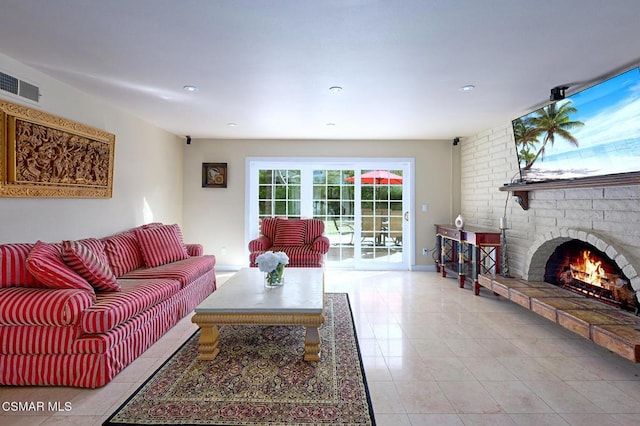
[586, 275]
[582, 269]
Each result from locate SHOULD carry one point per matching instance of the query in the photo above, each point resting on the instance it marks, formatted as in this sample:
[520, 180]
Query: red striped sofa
[76, 313]
[302, 240]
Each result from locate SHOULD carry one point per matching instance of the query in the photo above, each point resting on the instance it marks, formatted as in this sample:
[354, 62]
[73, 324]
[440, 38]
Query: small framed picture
[214, 175]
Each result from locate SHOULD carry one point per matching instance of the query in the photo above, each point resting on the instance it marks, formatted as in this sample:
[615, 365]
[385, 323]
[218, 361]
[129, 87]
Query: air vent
[29, 91]
[15, 86]
[8, 83]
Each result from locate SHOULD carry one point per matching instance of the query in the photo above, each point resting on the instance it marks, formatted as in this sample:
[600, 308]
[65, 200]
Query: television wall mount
[557, 93]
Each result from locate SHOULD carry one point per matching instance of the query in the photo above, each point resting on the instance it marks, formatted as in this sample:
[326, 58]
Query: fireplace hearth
[583, 269]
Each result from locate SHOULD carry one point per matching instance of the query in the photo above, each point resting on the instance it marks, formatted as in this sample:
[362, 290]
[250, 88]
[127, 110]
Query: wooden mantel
[521, 190]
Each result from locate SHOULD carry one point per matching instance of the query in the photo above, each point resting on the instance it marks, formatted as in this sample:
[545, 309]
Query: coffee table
[244, 300]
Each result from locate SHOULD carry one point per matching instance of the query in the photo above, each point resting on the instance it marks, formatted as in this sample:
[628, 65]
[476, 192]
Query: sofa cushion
[13, 266]
[83, 261]
[185, 271]
[40, 306]
[46, 264]
[161, 244]
[123, 252]
[301, 256]
[290, 232]
[38, 339]
[113, 308]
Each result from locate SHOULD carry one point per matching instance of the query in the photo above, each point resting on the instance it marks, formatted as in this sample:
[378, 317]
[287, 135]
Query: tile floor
[434, 354]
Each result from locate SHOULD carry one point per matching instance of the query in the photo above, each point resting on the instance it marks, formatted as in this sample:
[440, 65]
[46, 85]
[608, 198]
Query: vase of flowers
[272, 264]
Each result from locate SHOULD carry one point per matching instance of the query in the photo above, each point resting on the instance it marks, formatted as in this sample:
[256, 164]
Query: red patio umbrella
[379, 177]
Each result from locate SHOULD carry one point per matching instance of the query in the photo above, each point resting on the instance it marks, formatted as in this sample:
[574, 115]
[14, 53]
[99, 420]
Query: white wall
[489, 161]
[147, 174]
[157, 177]
[215, 217]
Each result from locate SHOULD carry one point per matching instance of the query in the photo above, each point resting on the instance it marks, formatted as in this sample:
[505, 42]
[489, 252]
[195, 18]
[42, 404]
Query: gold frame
[61, 143]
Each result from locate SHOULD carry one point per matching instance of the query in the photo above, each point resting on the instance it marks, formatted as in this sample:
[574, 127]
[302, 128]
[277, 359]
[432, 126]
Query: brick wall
[488, 161]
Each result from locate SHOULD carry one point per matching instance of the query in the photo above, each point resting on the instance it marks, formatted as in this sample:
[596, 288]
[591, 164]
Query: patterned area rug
[259, 378]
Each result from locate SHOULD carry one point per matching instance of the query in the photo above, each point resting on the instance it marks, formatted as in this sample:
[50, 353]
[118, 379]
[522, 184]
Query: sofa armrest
[321, 244]
[40, 306]
[262, 243]
[195, 249]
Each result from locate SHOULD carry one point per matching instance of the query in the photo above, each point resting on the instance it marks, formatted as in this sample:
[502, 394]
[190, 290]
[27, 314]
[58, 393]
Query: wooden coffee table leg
[208, 342]
[312, 344]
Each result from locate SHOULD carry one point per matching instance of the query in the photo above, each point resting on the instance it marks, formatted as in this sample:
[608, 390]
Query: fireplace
[586, 264]
[582, 268]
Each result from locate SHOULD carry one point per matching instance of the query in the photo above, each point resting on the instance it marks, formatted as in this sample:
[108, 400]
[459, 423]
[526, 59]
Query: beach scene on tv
[594, 132]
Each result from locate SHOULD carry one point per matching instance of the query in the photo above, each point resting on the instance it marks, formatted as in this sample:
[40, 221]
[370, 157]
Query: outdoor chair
[344, 229]
[371, 228]
[392, 229]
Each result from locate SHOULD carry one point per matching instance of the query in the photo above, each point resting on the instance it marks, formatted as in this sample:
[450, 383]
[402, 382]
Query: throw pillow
[46, 265]
[84, 261]
[161, 245]
[97, 247]
[290, 232]
[13, 266]
[123, 252]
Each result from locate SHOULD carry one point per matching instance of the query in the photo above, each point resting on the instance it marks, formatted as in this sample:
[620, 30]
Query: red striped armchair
[302, 240]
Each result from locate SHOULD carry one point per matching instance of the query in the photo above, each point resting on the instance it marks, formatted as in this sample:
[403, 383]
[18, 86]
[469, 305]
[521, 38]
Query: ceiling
[267, 66]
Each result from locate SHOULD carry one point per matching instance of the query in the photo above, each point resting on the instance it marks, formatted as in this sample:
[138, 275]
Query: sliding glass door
[364, 205]
[384, 215]
[334, 203]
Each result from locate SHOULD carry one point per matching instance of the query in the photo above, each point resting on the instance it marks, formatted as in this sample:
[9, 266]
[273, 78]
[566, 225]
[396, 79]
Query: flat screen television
[594, 132]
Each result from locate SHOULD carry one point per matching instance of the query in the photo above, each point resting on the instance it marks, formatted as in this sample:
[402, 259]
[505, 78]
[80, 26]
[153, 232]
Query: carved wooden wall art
[42, 155]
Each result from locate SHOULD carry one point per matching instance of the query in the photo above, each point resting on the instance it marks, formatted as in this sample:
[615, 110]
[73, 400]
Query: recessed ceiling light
[331, 124]
[232, 124]
[190, 88]
[467, 88]
[335, 89]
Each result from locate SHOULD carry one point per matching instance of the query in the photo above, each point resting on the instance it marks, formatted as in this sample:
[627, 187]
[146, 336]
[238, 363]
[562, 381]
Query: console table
[467, 253]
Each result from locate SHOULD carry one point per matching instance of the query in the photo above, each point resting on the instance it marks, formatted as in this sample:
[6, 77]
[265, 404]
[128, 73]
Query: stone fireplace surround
[605, 217]
[542, 248]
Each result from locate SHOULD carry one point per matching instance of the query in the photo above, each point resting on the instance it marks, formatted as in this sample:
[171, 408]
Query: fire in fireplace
[583, 269]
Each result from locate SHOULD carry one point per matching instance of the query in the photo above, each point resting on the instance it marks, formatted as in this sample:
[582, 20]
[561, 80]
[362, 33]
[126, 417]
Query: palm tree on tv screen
[526, 136]
[554, 120]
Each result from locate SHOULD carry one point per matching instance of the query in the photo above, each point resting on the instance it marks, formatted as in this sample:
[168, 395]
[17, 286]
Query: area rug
[259, 378]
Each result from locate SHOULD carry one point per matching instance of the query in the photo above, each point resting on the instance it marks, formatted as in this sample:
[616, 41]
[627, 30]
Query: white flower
[269, 261]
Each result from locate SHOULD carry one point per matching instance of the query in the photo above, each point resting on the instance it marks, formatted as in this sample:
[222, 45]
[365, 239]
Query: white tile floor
[434, 354]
